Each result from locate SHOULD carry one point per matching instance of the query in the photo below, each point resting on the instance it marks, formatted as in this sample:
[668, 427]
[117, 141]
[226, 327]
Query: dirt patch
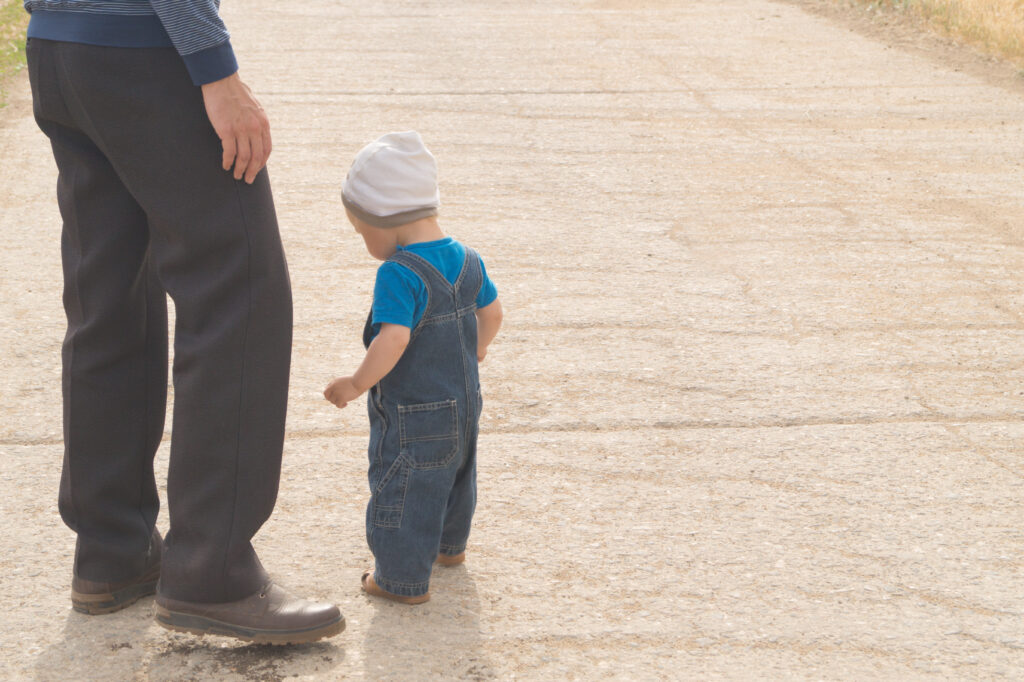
[912, 33]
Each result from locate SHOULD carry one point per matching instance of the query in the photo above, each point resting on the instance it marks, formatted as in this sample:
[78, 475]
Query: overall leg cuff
[452, 550]
[401, 588]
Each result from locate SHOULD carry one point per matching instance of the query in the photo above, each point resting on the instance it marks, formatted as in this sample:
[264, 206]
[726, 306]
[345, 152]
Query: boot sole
[109, 602]
[200, 625]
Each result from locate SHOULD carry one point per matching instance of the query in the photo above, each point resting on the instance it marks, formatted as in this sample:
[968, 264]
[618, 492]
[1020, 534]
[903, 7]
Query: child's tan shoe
[451, 559]
[370, 587]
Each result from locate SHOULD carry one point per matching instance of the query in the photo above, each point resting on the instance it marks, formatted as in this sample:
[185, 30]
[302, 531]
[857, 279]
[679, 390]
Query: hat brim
[393, 220]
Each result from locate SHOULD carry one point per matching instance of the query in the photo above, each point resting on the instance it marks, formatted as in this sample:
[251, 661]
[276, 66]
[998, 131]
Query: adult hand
[241, 124]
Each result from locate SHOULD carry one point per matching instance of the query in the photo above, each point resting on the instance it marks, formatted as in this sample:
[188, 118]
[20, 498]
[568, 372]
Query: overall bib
[424, 418]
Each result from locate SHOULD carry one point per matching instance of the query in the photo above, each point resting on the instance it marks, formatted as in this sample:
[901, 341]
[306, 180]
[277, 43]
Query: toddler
[434, 313]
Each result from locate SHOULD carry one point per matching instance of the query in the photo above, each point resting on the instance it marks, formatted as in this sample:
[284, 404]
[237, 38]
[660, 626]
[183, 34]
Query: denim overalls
[424, 418]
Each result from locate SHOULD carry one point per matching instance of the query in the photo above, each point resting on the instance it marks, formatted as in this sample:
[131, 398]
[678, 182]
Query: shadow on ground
[440, 639]
[129, 645]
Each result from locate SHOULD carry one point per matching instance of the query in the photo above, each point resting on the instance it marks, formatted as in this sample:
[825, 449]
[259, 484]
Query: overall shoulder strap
[467, 286]
[430, 275]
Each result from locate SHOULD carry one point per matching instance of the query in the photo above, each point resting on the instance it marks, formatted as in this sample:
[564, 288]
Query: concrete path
[758, 407]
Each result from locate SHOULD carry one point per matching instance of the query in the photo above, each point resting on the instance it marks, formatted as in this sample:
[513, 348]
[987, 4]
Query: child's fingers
[337, 393]
[334, 396]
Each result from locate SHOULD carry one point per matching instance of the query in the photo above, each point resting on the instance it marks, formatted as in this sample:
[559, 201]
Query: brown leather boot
[271, 616]
[96, 598]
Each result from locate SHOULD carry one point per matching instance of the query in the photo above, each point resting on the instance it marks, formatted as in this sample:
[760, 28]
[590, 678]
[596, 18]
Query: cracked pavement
[757, 409]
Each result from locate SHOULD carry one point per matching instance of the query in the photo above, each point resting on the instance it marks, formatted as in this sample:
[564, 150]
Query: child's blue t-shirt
[400, 296]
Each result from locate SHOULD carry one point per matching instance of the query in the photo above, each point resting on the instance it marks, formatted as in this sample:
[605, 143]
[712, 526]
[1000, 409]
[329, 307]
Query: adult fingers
[257, 160]
[228, 158]
[243, 156]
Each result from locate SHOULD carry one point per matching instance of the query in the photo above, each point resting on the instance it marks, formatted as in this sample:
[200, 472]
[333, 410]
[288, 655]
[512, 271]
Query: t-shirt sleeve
[488, 292]
[395, 295]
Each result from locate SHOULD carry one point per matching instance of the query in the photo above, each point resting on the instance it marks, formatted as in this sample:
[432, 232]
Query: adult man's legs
[114, 355]
[216, 247]
[215, 244]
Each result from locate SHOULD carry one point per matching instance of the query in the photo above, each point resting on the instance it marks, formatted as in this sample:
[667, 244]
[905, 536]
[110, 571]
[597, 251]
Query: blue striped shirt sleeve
[199, 35]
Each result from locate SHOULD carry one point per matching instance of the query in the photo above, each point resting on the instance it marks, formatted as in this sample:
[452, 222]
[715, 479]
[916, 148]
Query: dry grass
[13, 20]
[996, 26]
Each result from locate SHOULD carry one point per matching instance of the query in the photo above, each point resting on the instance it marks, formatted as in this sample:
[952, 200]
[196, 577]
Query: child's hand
[341, 391]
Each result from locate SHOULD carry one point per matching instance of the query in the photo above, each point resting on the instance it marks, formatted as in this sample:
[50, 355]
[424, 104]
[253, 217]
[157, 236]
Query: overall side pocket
[389, 495]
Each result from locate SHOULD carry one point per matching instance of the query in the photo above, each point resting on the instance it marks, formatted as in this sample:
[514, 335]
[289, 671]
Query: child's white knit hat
[393, 181]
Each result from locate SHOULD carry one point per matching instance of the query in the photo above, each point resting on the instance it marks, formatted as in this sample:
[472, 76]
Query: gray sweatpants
[147, 209]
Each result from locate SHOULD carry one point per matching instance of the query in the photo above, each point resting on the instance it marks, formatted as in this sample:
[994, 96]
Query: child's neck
[423, 230]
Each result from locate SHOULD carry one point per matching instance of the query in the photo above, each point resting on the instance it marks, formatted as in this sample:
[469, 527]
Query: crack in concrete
[495, 425]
